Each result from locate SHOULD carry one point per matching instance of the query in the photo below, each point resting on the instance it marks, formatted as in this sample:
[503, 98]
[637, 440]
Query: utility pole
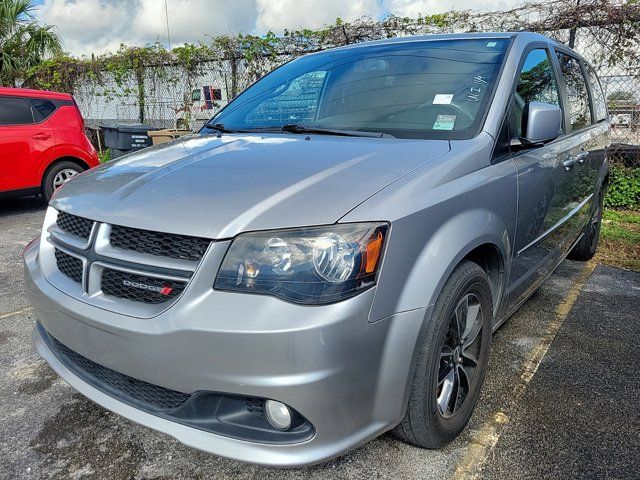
[166, 15]
[573, 30]
[175, 103]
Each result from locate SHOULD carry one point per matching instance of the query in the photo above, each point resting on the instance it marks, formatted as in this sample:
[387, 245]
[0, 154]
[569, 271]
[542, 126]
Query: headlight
[311, 266]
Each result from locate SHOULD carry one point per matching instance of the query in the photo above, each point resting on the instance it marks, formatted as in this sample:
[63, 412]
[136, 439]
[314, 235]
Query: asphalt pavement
[559, 401]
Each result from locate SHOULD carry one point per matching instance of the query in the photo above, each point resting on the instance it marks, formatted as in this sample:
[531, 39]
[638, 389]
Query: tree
[24, 42]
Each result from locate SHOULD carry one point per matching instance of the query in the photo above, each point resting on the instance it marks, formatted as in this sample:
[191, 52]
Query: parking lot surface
[559, 401]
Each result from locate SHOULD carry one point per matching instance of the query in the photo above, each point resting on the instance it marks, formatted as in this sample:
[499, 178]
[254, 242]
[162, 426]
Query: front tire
[57, 175]
[452, 361]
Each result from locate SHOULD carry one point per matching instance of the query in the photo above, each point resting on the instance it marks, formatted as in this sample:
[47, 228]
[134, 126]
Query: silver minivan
[328, 258]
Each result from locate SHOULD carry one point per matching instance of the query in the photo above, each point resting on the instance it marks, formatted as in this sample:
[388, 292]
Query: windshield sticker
[442, 99]
[492, 44]
[444, 122]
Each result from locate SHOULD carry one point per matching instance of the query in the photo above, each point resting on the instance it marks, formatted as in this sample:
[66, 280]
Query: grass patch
[620, 239]
[104, 156]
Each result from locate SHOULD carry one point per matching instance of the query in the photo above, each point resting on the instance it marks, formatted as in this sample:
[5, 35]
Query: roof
[27, 92]
[531, 36]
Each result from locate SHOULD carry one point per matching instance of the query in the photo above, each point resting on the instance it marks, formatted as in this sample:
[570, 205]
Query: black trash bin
[122, 138]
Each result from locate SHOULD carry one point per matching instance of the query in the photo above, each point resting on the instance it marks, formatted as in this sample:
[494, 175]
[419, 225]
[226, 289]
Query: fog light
[278, 414]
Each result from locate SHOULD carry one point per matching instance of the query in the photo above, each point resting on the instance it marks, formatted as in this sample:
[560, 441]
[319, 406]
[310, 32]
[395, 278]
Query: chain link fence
[623, 98]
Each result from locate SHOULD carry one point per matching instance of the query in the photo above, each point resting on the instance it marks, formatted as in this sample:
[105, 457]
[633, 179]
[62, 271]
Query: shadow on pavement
[11, 206]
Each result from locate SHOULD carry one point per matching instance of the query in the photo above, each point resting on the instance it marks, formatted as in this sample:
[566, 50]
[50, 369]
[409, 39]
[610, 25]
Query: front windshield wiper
[219, 127]
[299, 128]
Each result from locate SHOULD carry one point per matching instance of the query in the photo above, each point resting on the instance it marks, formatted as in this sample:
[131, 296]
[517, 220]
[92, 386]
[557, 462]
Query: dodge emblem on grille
[165, 290]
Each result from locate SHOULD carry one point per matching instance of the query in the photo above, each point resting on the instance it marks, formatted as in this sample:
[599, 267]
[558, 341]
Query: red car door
[24, 145]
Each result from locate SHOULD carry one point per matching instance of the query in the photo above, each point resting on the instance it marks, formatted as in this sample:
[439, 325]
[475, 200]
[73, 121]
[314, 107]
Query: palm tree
[24, 42]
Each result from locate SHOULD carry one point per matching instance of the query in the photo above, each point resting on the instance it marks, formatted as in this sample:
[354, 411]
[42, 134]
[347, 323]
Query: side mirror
[543, 122]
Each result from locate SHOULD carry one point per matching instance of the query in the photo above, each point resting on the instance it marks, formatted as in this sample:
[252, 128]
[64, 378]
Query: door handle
[581, 157]
[41, 136]
[569, 163]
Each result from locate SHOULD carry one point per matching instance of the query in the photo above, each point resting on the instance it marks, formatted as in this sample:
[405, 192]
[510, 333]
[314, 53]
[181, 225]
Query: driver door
[545, 199]
[23, 144]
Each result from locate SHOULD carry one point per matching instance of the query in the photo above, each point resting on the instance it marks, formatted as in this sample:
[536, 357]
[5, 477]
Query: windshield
[423, 89]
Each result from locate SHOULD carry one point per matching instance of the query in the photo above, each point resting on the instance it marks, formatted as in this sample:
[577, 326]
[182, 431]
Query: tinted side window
[43, 108]
[578, 98]
[599, 101]
[537, 83]
[15, 111]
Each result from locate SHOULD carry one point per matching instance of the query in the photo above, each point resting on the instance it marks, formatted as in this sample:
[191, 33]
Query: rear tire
[439, 409]
[586, 248]
[57, 175]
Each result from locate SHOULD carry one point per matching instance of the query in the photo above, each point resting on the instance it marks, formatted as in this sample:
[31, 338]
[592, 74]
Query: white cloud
[278, 15]
[96, 26]
[87, 22]
[411, 8]
[192, 20]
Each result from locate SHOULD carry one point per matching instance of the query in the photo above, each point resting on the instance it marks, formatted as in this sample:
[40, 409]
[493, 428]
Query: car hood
[217, 187]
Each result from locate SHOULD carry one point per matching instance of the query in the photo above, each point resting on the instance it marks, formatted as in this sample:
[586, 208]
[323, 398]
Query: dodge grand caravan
[328, 258]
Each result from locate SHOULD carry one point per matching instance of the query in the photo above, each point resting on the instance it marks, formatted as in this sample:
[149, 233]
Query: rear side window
[599, 101]
[15, 111]
[42, 108]
[577, 93]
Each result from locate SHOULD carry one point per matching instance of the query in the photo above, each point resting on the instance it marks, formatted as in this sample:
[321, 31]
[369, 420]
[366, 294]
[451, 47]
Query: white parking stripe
[11, 314]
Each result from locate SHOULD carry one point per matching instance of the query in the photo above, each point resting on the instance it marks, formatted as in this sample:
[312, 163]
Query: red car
[42, 142]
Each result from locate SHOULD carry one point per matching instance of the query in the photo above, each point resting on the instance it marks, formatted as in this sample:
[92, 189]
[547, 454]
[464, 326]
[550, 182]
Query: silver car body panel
[346, 367]
[242, 182]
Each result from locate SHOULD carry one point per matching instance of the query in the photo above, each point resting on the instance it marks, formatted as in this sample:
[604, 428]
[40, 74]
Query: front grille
[70, 266]
[156, 243]
[104, 378]
[139, 288]
[78, 226]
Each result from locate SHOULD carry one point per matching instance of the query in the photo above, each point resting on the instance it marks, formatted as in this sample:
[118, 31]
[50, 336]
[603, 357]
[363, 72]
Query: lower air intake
[121, 385]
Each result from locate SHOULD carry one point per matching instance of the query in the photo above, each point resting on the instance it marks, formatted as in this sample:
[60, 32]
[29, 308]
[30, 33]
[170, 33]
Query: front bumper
[345, 375]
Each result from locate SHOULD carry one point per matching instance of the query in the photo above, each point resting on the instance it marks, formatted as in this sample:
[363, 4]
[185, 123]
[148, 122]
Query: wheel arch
[78, 161]
[489, 257]
[476, 234]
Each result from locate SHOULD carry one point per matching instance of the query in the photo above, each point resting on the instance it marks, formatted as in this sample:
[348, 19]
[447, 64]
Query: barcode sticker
[444, 122]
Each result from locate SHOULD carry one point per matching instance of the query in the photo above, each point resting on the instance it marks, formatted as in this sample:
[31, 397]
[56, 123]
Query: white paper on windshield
[442, 99]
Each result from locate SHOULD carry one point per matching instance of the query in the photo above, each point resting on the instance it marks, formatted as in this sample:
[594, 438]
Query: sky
[99, 26]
